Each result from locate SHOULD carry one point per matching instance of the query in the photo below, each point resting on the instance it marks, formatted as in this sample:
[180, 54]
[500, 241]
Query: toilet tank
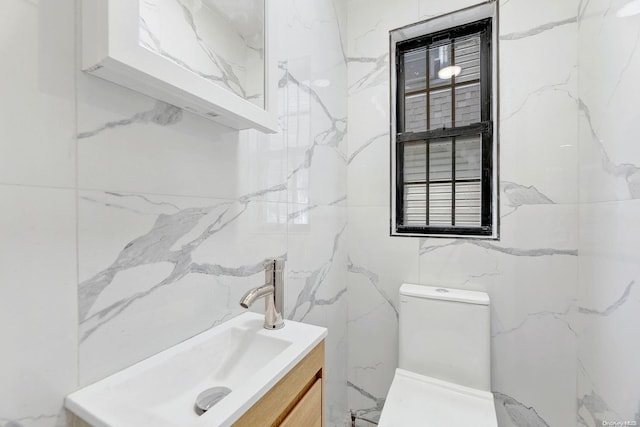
[445, 333]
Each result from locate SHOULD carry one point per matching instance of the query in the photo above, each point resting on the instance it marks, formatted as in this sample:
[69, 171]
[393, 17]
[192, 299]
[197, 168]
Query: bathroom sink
[161, 391]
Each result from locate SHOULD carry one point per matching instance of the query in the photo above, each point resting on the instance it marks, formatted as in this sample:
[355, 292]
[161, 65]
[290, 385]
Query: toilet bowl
[416, 400]
[443, 378]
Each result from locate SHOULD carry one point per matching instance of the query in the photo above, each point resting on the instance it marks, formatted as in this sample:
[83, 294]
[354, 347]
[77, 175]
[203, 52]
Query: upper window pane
[467, 104]
[415, 84]
[439, 63]
[467, 57]
[415, 70]
[440, 113]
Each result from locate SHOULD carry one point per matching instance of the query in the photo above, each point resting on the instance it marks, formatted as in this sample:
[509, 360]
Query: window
[443, 148]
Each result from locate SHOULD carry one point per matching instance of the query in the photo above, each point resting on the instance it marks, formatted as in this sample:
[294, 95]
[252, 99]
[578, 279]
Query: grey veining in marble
[628, 171]
[535, 252]
[330, 137]
[222, 319]
[162, 114]
[614, 306]
[519, 413]
[373, 411]
[307, 298]
[518, 195]
[366, 144]
[561, 316]
[377, 75]
[374, 279]
[561, 86]
[299, 212]
[539, 29]
[341, 33]
[20, 422]
[157, 246]
[625, 67]
[259, 193]
[246, 16]
[582, 8]
[595, 406]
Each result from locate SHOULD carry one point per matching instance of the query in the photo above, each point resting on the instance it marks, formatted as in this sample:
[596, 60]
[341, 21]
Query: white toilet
[444, 373]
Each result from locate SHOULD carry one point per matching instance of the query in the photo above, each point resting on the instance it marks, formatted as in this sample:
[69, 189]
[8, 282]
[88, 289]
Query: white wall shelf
[111, 49]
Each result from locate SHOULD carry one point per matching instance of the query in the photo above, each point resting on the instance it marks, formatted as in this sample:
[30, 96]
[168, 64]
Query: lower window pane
[415, 204]
[468, 203]
[440, 161]
[450, 195]
[415, 158]
[469, 157]
[440, 204]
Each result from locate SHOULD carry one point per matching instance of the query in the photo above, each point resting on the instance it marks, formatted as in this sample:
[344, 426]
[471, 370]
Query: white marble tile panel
[261, 166]
[538, 148]
[373, 354]
[538, 102]
[609, 62]
[368, 161]
[609, 303]
[37, 115]
[525, 364]
[600, 178]
[316, 111]
[128, 142]
[316, 288]
[608, 353]
[38, 305]
[315, 48]
[316, 258]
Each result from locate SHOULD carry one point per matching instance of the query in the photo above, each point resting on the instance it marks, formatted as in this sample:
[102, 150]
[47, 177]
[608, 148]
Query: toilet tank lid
[447, 294]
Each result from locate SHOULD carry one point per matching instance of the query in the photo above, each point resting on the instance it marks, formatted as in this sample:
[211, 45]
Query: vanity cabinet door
[308, 412]
[299, 391]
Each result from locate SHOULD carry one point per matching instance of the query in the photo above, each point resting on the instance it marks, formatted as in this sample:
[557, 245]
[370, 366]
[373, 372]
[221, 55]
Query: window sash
[483, 128]
[485, 228]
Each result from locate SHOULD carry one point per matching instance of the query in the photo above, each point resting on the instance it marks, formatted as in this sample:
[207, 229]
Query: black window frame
[485, 128]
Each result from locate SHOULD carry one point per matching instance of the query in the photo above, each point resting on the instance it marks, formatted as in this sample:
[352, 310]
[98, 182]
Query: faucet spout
[273, 293]
[253, 294]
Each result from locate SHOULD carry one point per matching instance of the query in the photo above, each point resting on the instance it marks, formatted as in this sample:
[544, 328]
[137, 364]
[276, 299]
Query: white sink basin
[161, 391]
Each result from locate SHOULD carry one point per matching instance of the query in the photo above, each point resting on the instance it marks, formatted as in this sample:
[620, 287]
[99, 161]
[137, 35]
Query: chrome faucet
[273, 291]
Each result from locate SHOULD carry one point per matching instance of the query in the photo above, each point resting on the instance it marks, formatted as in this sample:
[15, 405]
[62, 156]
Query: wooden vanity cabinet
[296, 400]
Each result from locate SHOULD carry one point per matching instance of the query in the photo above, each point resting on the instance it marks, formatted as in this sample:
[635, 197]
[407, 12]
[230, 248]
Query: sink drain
[210, 397]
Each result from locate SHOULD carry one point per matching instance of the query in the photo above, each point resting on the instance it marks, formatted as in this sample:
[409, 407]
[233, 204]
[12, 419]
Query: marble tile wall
[38, 271]
[608, 314]
[531, 272]
[129, 225]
